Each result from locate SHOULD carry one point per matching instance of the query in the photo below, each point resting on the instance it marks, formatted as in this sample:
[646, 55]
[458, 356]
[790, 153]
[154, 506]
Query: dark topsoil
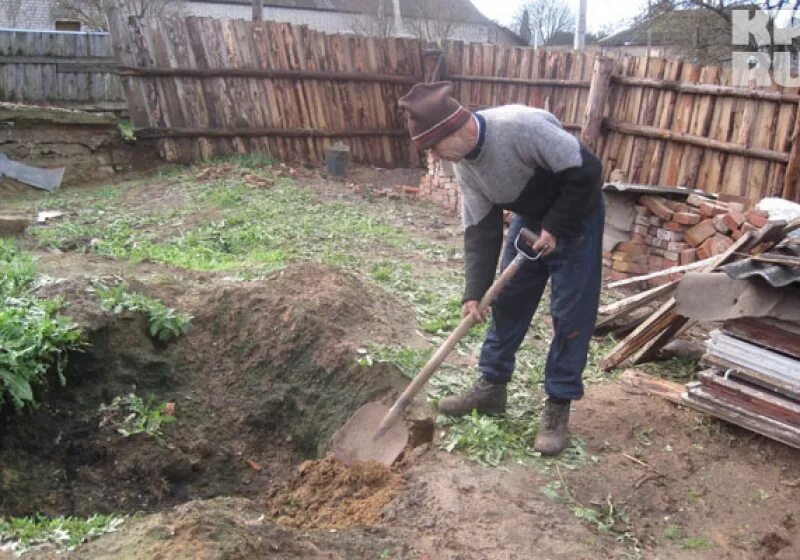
[265, 376]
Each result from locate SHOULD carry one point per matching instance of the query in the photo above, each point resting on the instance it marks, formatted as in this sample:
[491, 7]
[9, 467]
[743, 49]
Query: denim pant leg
[512, 312]
[575, 269]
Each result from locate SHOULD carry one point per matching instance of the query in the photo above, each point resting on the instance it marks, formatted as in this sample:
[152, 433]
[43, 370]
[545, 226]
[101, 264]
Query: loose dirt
[330, 495]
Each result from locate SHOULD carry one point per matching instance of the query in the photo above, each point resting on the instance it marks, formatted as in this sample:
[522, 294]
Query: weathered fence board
[210, 88]
[64, 69]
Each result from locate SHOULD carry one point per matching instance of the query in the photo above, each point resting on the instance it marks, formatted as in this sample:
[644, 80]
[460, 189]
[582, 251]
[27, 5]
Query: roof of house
[462, 10]
[662, 28]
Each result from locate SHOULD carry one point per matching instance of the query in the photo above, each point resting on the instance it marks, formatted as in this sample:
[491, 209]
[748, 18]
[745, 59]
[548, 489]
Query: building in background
[430, 20]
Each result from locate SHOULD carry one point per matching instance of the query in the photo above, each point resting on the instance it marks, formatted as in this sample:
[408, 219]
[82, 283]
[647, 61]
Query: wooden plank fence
[65, 69]
[210, 87]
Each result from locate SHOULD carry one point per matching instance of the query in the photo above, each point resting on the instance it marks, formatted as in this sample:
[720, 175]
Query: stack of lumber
[658, 328]
[754, 378]
[667, 233]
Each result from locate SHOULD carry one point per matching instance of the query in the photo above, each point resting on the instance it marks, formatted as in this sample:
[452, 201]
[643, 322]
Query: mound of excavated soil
[328, 494]
[225, 529]
[265, 376]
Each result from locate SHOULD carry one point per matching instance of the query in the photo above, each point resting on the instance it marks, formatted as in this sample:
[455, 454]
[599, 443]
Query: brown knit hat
[432, 113]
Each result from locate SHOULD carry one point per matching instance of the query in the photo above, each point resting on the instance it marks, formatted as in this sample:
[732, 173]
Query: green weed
[21, 534]
[33, 337]
[165, 323]
[130, 415]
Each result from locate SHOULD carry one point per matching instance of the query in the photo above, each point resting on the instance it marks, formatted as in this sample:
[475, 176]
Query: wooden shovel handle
[447, 346]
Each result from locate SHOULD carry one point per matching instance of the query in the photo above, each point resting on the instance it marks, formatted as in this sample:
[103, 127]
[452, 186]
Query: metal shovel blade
[357, 441]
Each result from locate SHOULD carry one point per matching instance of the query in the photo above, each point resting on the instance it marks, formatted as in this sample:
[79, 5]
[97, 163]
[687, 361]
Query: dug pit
[262, 380]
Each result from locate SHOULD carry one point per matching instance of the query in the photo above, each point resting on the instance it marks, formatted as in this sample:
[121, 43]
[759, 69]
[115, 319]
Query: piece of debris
[45, 215]
[214, 172]
[257, 181]
[46, 179]
[253, 465]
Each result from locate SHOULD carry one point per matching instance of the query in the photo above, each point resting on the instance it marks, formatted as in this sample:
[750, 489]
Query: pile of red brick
[668, 233]
[439, 184]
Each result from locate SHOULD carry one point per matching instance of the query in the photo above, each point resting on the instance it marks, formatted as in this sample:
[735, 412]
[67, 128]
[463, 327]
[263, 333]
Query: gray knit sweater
[529, 164]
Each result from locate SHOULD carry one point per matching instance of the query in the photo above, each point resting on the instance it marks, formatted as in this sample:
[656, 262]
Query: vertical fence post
[258, 10]
[790, 191]
[595, 105]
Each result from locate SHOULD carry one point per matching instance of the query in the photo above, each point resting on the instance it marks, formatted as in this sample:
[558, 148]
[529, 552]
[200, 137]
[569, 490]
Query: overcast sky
[599, 12]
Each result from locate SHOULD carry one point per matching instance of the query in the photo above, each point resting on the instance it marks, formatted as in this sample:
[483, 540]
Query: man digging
[520, 159]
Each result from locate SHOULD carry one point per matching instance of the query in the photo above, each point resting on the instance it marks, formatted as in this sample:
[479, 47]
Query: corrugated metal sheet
[778, 275]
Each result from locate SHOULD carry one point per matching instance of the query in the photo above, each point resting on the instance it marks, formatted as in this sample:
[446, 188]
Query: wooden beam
[751, 398]
[543, 82]
[596, 104]
[615, 310]
[259, 132]
[131, 71]
[777, 335]
[699, 399]
[660, 273]
[707, 89]
[692, 140]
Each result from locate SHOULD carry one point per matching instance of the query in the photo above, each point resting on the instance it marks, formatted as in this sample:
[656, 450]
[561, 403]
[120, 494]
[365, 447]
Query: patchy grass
[22, 534]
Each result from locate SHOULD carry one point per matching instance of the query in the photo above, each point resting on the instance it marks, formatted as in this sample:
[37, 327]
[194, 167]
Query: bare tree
[702, 29]
[379, 23]
[431, 20]
[547, 17]
[91, 13]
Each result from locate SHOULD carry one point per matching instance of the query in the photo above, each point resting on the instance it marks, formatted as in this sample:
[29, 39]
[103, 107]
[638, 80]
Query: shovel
[374, 433]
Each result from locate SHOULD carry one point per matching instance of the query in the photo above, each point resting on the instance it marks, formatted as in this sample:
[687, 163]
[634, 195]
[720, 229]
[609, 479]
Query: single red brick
[735, 219]
[704, 250]
[695, 235]
[676, 246]
[686, 218]
[641, 210]
[654, 221]
[657, 251]
[696, 200]
[674, 226]
[642, 220]
[688, 256]
[737, 207]
[652, 230]
[657, 206]
[673, 256]
[668, 235]
[708, 209]
[641, 230]
[736, 234]
[756, 218]
[720, 224]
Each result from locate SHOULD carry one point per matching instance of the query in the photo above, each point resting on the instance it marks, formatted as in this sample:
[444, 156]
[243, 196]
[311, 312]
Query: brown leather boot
[485, 397]
[551, 439]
